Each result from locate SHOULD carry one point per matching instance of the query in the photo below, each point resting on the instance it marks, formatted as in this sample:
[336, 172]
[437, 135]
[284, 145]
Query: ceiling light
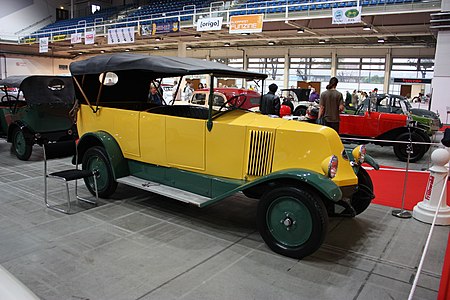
[321, 41]
[102, 51]
[71, 46]
[245, 33]
[227, 44]
[62, 7]
[127, 50]
[197, 36]
[158, 39]
[367, 27]
[188, 48]
[156, 48]
[271, 43]
[381, 40]
[80, 53]
[300, 30]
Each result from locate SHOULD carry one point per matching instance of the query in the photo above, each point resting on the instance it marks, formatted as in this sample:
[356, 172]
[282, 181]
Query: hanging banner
[346, 15]
[29, 40]
[209, 24]
[121, 35]
[89, 37]
[246, 23]
[160, 28]
[60, 37]
[43, 45]
[75, 38]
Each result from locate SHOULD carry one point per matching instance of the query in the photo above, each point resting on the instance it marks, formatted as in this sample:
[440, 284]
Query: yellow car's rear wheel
[96, 160]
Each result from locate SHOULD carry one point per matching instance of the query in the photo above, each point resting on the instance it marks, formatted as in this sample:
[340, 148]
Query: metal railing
[271, 10]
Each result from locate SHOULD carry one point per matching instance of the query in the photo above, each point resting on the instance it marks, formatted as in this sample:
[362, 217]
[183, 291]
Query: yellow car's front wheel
[292, 221]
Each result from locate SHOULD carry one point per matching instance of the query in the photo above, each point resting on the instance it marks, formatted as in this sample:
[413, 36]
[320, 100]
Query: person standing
[331, 104]
[176, 91]
[313, 95]
[270, 103]
[188, 91]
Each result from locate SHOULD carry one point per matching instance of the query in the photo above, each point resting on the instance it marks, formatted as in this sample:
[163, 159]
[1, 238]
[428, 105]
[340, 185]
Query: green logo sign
[352, 13]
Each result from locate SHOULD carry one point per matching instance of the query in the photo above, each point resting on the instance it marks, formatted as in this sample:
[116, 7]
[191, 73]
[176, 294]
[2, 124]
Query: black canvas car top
[161, 66]
[43, 88]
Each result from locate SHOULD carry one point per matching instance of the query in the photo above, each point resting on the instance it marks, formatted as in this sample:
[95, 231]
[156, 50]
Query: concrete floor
[143, 246]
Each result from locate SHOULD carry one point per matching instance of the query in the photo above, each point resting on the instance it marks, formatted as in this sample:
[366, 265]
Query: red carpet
[388, 186]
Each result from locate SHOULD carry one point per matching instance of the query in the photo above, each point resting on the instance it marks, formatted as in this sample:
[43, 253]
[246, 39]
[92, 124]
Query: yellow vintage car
[300, 172]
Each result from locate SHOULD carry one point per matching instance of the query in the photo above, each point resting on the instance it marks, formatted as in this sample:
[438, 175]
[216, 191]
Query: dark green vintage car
[40, 111]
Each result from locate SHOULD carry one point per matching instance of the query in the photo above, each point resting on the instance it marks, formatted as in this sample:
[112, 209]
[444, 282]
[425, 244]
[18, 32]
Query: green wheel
[21, 145]
[96, 159]
[364, 195]
[293, 222]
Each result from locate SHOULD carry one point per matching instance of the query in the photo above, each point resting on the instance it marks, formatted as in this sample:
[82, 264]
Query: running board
[164, 190]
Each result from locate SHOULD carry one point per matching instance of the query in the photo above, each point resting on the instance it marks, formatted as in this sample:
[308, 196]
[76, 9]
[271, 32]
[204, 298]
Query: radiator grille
[260, 154]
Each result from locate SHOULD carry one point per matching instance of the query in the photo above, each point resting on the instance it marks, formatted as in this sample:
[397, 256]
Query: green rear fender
[319, 182]
[100, 138]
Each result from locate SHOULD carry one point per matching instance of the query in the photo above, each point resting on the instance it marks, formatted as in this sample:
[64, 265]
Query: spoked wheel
[96, 159]
[300, 111]
[418, 150]
[363, 197]
[21, 145]
[292, 222]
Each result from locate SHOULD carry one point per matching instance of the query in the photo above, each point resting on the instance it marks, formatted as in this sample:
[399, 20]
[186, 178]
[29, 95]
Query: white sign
[89, 37]
[209, 24]
[347, 15]
[75, 38]
[43, 45]
[121, 35]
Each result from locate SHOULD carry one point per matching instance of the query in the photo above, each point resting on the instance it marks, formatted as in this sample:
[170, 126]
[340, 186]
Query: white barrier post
[425, 210]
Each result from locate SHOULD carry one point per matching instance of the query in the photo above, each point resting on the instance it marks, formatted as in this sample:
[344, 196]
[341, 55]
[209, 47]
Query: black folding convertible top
[43, 88]
[161, 66]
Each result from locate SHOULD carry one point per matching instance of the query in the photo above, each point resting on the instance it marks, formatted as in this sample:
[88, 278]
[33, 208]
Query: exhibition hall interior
[246, 149]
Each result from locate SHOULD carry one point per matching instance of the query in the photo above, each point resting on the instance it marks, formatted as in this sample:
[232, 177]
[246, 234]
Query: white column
[333, 63]
[387, 70]
[286, 69]
[181, 49]
[441, 79]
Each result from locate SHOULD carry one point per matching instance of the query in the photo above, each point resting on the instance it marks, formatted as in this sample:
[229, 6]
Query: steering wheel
[232, 102]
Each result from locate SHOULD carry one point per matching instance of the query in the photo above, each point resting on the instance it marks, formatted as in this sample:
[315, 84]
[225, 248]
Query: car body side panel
[389, 121]
[121, 124]
[185, 142]
[152, 128]
[352, 125]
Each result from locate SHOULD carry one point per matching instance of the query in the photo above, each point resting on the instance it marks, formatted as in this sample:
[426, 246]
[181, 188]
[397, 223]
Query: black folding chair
[58, 150]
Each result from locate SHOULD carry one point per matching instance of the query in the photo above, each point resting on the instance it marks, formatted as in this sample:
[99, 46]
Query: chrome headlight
[359, 153]
[330, 165]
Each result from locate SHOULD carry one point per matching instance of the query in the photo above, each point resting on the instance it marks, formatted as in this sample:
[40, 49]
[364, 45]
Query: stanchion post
[402, 213]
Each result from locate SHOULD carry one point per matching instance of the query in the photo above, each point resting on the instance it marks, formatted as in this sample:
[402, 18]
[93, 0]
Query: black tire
[22, 144]
[300, 111]
[363, 197]
[292, 222]
[418, 150]
[425, 137]
[95, 158]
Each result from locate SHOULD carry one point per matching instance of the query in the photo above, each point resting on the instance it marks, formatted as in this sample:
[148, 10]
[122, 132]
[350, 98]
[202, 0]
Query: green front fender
[321, 183]
[103, 139]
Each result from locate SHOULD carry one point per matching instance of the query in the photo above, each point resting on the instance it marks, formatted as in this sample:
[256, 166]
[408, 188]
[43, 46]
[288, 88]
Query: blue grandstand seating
[184, 9]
